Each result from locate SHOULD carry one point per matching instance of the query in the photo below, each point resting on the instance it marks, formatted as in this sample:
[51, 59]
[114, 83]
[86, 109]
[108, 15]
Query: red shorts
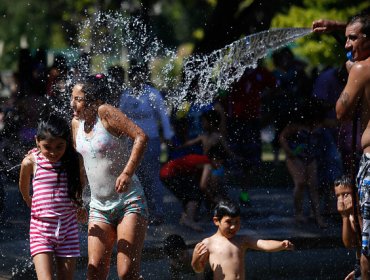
[188, 164]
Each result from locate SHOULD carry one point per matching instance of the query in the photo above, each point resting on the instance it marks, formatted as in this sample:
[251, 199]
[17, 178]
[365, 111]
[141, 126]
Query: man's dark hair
[363, 18]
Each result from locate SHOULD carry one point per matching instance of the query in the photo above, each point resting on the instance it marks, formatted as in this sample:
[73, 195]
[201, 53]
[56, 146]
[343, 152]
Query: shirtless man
[357, 92]
[225, 251]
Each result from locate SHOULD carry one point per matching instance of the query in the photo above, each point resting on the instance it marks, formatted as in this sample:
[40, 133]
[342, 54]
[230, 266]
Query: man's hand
[326, 25]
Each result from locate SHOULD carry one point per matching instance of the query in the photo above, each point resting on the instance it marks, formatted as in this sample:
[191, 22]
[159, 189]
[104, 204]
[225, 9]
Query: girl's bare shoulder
[28, 161]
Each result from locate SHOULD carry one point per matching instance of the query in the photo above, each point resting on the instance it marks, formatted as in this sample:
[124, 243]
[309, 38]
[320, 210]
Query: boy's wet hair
[226, 207]
[173, 245]
[344, 180]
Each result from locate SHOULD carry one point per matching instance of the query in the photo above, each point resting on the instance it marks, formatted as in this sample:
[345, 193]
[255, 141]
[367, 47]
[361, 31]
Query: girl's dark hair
[344, 180]
[52, 126]
[96, 88]
[226, 207]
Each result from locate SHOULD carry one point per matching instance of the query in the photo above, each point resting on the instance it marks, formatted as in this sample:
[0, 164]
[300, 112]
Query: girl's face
[53, 149]
[78, 102]
[228, 226]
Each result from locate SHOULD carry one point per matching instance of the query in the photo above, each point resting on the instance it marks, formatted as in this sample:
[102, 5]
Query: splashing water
[116, 38]
[223, 67]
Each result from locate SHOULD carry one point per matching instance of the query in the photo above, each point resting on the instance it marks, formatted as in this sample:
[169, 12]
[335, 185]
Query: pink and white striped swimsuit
[53, 225]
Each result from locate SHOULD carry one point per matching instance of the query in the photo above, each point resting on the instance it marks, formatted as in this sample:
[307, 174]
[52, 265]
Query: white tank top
[105, 156]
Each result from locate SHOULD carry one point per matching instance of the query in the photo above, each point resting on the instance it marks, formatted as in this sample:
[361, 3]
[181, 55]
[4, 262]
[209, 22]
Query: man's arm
[327, 25]
[346, 104]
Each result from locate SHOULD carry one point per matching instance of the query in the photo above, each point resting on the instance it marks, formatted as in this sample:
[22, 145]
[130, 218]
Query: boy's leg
[65, 268]
[44, 265]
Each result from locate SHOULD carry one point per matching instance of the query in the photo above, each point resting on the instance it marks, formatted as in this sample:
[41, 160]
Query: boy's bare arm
[200, 257]
[273, 245]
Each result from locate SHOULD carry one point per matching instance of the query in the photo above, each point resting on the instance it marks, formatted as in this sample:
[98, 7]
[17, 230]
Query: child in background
[212, 182]
[226, 242]
[217, 150]
[180, 256]
[300, 141]
[343, 188]
[57, 176]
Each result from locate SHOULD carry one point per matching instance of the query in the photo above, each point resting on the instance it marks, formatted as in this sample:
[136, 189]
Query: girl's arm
[200, 257]
[75, 125]
[118, 124]
[83, 177]
[82, 215]
[25, 179]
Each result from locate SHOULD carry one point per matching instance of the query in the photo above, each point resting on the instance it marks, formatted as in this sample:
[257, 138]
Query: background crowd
[196, 152]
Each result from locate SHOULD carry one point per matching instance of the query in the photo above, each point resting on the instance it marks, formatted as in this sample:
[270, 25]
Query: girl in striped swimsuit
[57, 178]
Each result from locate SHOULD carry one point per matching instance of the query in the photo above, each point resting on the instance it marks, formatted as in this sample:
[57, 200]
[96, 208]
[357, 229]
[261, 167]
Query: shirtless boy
[343, 188]
[225, 251]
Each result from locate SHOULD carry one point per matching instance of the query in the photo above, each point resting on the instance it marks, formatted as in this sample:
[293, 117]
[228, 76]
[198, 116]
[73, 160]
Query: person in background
[213, 143]
[300, 141]
[116, 78]
[180, 256]
[243, 110]
[145, 106]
